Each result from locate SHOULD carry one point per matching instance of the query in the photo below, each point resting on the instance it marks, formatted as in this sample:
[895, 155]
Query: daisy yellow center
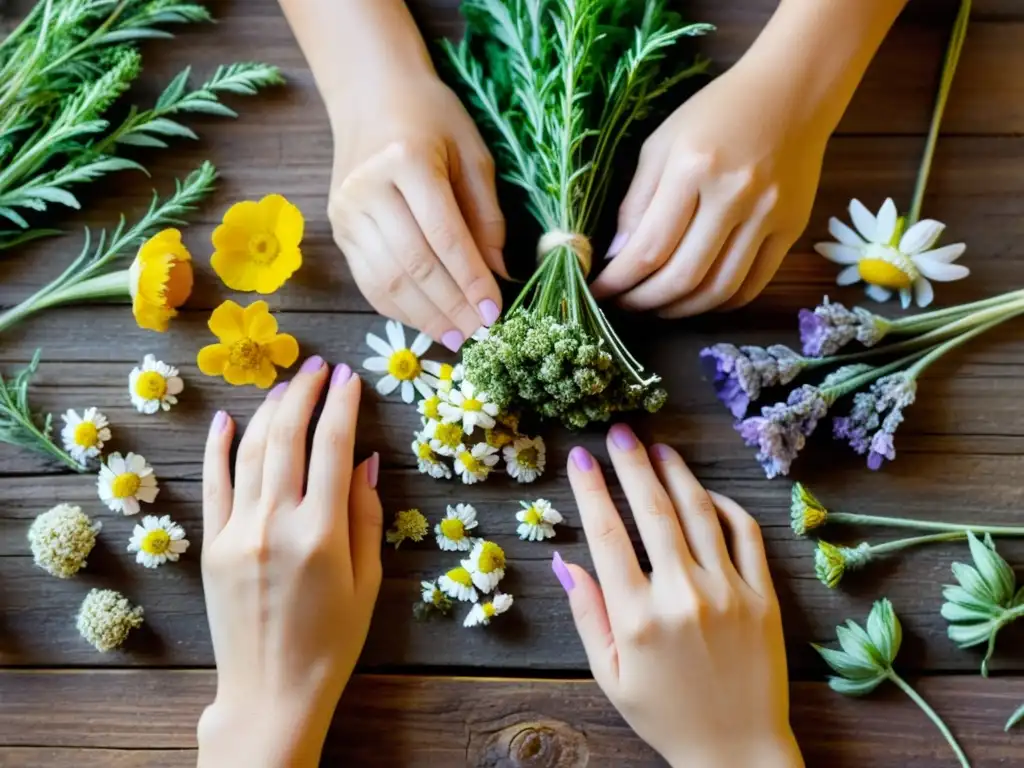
[446, 372]
[532, 516]
[437, 597]
[887, 268]
[263, 248]
[404, 365]
[86, 435]
[472, 404]
[245, 353]
[469, 461]
[449, 435]
[492, 558]
[460, 576]
[528, 458]
[150, 386]
[156, 542]
[498, 437]
[424, 452]
[489, 610]
[430, 407]
[125, 485]
[453, 528]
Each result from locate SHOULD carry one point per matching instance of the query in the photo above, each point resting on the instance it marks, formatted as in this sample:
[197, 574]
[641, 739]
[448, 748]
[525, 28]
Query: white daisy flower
[525, 458]
[475, 464]
[465, 404]
[481, 614]
[125, 481]
[402, 364]
[458, 585]
[428, 460]
[434, 598]
[429, 407]
[890, 259]
[157, 540]
[486, 565]
[84, 435]
[444, 375]
[537, 521]
[154, 386]
[452, 532]
[445, 439]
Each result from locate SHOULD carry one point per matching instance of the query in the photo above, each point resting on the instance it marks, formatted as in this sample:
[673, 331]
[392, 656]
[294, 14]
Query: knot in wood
[544, 744]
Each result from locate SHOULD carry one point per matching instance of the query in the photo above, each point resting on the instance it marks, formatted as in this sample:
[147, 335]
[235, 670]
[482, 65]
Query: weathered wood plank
[38, 757]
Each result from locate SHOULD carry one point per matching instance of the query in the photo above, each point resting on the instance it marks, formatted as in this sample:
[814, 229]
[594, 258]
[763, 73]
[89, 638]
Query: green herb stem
[1007, 617]
[932, 715]
[847, 518]
[900, 544]
[831, 394]
[928, 320]
[940, 350]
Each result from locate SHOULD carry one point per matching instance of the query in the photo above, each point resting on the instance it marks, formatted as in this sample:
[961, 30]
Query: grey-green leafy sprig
[865, 662]
[984, 600]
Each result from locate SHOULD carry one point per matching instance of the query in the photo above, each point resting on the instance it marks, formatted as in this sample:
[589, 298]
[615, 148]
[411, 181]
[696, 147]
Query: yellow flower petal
[266, 375]
[245, 216]
[270, 208]
[263, 328]
[160, 279]
[236, 375]
[252, 312]
[275, 275]
[213, 359]
[229, 238]
[283, 350]
[269, 278]
[234, 268]
[228, 322]
[289, 226]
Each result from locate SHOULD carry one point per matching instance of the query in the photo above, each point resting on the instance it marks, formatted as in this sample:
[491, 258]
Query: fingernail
[342, 373]
[558, 566]
[278, 392]
[582, 459]
[618, 243]
[453, 340]
[372, 470]
[220, 421]
[622, 437]
[488, 312]
[312, 365]
[661, 452]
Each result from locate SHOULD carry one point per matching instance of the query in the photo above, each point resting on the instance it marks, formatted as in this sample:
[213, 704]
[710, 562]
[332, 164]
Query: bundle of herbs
[559, 83]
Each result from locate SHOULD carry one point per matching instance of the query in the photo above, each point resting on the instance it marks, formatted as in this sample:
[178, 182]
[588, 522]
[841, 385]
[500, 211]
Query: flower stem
[895, 546]
[832, 394]
[928, 320]
[932, 715]
[112, 285]
[848, 518]
[917, 368]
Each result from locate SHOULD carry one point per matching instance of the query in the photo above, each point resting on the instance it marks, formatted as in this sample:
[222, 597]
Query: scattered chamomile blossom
[452, 532]
[875, 417]
[806, 512]
[474, 464]
[740, 373]
[831, 326]
[486, 565]
[105, 619]
[480, 615]
[890, 259]
[154, 386]
[157, 540]
[427, 461]
[409, 524]
[445, 439]
[458, 585]
[429, 407]
[61, 540]
[432, 600]
[125, 481]
[445, 375]
[85, 435]
[401, 364]
[537, 520]
[525, 458]
[781, 431]
[470, 407]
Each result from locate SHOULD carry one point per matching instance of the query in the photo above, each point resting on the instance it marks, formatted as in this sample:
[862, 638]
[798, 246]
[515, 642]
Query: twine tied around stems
[574, 241]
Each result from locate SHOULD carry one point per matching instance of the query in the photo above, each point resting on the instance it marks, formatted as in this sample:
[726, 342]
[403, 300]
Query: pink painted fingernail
[564, 577]
[278, 392]
[661, 452]
[342, 373]
[373, 470]
[622, 437]
[312, 365]
[618, 243]
[582, 459]
[220, 422]
[453, 340]
[488, 312]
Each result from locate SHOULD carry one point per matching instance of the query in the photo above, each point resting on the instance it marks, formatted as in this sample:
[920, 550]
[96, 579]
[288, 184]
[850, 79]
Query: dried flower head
[61, 540]
[831, 326]
[486, 565]
[432, 601]
[781, 431]
[806, 512]
[480, 615]
[105, 619]
[525, 458]
[537, 520]
[831, 562]
[160, 280]
[409, 524]
[875, 417]
[739, 374]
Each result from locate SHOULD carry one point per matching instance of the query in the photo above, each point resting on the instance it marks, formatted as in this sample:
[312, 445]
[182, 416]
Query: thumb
[591, 617]
[473, 182]
[366, 524]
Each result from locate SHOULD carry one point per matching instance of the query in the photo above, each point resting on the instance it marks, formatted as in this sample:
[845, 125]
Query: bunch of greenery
[61, 70]
[559, 83]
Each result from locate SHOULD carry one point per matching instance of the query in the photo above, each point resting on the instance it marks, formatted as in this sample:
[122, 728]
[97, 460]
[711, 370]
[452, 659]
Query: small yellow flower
[409, 524]
[806, 512]
[257, 245]
[160, 280]
[832, 562]
[250, 348]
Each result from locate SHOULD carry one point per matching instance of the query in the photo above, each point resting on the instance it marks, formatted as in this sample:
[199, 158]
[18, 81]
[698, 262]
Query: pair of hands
[692, 656]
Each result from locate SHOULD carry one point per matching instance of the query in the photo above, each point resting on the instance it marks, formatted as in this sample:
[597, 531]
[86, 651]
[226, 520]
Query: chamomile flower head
[474, 464]
[525, 458]
[432, 598]
[125, 481]
[154, 385]
[85, 435]
[458, 585]
[445, 439]
[105, 619]
[889, 257]
[429, 407]
[452, 532]
[482, 613]
[61, 540]
[157, 540]
[409, 524]
[537, 520]
[428, 461]
[486, 565]
[401, 364]
[470, 407]
[444, 376]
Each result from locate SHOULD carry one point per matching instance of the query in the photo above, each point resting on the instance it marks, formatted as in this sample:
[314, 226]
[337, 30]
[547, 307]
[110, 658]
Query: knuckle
[422, 268]
[643, 631]
[442, 238]
[395, 283]
[283, 431]
[250, 453]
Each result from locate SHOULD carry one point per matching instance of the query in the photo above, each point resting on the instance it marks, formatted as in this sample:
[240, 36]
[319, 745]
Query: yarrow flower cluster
[410, 524]
[61, 540]
[105, 619]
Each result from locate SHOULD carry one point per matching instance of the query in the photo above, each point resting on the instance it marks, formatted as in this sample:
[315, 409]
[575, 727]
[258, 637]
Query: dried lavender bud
[739, 374]
[876, 415]
[830, 327]
[781, 430]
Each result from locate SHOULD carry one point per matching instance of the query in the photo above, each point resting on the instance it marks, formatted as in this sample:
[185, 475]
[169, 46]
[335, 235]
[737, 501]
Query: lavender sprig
[739, 374]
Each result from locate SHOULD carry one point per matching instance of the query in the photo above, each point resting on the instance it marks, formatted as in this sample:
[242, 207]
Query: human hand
[291, 569]
[691, 656]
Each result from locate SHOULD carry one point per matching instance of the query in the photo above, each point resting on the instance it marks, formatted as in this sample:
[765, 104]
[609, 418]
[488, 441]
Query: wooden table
[519, 693]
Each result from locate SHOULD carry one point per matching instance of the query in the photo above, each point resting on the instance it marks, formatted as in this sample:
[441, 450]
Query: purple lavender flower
[780, 432]
[875, 417]
[830, 327]
[740, 373]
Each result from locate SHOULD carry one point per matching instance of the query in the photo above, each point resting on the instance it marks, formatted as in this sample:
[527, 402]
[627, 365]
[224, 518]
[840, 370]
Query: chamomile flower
[482, 613]
[475, 464]
[444, 375]
[537, 521]
[458, 585]
[889, 257]
[470, 407]
[486, 565]
[402, 364]
[154, 386]
[428, 407]
[525, 458]
[445, 439]
[428, 461]
[84, 435]
[452, 532]
[125, 481]
[157, 540]
[433, 598]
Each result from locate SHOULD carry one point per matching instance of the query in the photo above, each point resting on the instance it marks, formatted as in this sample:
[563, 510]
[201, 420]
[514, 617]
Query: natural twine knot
[575, 242]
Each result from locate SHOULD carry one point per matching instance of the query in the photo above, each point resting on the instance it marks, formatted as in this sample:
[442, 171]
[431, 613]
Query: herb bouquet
[559, 83]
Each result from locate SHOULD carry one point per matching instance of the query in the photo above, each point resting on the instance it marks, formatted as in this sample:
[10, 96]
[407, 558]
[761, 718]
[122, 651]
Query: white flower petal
[396, 334]
[863, 220]
[844, 234]
[378, 345]
[840, 254]
[878, 293]
[422, 387]
[376, 364]
[885, 224]
[921, 236]
[848, 276]
[421, 344]
[906, 297]
[923, 292]
[408, 391]
[387, 385]
[940, 271]
[947, 254]
[175, 386]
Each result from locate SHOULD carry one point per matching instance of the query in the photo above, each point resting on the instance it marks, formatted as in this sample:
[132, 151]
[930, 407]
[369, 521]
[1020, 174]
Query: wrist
[778, 751]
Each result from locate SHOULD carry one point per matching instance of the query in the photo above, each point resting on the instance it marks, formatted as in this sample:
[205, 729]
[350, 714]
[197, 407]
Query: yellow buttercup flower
[160, 280]
[257, 245]
[250, 349]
